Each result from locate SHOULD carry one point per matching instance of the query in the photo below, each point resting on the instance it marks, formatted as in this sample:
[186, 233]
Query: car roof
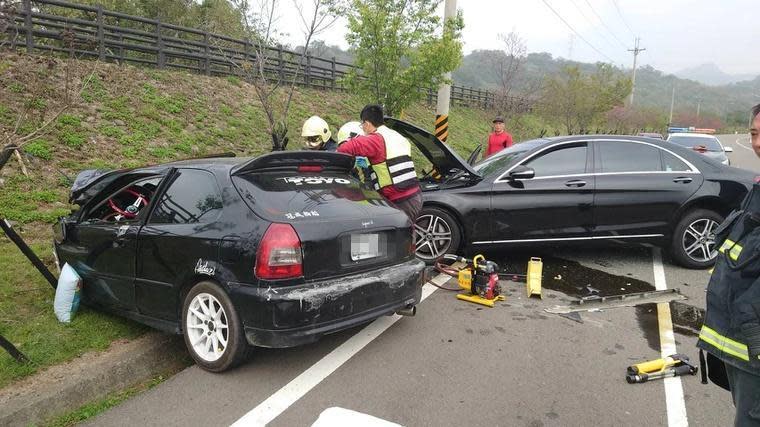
[601, 137]
[538, 143]
[696, 135]
[223, 163]
[212, 161]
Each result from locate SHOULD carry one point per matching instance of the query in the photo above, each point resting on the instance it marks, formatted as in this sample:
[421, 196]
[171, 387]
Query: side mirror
[522, 172]
[728, 149]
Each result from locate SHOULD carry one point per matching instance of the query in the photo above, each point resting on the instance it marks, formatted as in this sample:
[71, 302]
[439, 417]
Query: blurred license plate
[364, 246]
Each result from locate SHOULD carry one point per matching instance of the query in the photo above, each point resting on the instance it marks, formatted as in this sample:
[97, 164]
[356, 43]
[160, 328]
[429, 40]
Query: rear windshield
[286, 196]
[710, 144]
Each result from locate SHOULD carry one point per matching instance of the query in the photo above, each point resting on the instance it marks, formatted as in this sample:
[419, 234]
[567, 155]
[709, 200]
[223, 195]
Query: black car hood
[445, 160]
[89, 182]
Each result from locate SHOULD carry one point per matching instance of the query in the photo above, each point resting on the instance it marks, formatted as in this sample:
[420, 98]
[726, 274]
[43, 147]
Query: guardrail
[92, 31]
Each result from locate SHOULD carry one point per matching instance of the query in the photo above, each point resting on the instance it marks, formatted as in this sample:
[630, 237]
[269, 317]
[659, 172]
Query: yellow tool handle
[475, 260]
[652, 365]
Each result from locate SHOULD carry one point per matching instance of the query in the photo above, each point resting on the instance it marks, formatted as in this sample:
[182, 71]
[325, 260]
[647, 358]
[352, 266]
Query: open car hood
[443, 158]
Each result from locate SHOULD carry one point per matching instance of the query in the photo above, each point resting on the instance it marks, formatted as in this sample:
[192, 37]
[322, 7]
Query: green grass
[111, 131]
[39, 148]
[16, 87]
[21, 200]
[94, 90]
[98, 407]
[69, 120]
[28, 321]
[73, 139]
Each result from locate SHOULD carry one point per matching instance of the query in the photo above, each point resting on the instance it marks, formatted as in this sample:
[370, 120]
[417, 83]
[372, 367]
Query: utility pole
[444, 91]
[570, 47]
[699, 104]
[672, 102]
[636, 50]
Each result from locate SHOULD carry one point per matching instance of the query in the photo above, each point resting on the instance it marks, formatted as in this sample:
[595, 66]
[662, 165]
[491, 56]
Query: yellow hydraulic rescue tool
[480, 281]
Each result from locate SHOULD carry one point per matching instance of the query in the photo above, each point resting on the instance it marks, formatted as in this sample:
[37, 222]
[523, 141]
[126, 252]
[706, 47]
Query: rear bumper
[301, 314]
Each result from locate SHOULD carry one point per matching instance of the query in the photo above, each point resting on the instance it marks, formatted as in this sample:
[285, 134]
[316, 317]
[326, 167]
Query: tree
[260, 22]
[624, 119]
[579, 101]
[508, 66]
[399, 50]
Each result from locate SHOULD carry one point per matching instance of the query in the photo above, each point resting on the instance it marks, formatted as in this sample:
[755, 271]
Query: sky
[676, 34]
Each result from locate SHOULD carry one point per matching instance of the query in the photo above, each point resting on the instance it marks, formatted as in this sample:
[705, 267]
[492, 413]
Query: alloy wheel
[207, 327]
[432, 237]
[698, 240]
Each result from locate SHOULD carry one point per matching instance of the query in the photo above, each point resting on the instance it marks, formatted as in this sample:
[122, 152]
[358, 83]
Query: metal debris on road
[595, 303]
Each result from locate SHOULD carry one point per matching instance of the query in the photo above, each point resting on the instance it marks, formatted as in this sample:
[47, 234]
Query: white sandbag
[67, 294]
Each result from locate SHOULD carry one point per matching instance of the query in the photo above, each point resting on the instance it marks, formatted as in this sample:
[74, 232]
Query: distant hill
[710, 74]
[653, 87]
[729, 101]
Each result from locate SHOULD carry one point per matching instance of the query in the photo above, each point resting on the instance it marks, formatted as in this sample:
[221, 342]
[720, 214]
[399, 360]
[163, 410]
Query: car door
[102, 246]
[179, 240]
[555, 204]
[639, 187]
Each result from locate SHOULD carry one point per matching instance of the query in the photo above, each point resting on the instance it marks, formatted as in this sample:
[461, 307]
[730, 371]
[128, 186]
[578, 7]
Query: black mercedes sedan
[575, 189]
[273, 251]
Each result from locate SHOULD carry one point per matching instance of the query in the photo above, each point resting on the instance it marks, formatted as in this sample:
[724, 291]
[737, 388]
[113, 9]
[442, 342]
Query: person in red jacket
[390, 161]
[499, 139]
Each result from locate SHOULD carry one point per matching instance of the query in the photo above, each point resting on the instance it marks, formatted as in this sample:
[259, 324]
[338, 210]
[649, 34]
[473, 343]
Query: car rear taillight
[279, 254]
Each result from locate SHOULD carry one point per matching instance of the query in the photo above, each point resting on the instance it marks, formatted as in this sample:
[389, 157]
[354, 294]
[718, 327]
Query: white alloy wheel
[207, 327]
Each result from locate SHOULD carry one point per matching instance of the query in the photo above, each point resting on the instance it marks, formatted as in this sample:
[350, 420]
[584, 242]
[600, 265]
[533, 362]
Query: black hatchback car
[575, 189]
[274, 251]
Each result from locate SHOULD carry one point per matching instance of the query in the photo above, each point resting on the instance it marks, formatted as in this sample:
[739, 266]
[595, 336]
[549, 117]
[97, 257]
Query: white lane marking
[283, 398]
[742, 145]
[675, 404]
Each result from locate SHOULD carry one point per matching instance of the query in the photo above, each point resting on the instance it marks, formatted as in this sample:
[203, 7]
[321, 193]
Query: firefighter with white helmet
[348, 131]
[317, 136]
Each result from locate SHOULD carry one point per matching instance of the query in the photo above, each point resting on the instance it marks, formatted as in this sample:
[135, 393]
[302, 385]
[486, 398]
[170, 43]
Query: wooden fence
[52, 26]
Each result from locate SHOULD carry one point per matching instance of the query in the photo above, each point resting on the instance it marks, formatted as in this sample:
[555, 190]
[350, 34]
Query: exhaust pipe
[409, 310]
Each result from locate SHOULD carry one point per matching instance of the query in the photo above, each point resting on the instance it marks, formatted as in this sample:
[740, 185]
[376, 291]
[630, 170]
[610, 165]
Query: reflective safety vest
[731, 329]
[397, 169]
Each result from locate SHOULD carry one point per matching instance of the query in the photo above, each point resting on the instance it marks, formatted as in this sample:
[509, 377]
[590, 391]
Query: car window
[710, 143]
[629, 157]
[127, 204]
[193, 196]
[671, 163]
[563, 160]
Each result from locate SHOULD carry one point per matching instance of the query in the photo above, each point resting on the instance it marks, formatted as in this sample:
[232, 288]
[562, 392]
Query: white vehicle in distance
[708, 145]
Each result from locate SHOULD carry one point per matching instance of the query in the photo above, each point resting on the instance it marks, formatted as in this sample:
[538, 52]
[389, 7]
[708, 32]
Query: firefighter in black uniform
[731, 331]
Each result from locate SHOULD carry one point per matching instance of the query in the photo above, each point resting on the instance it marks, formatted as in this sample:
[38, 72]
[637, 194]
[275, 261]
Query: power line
[609, 30]
[576, 33]
[623, 18]
[593, 25]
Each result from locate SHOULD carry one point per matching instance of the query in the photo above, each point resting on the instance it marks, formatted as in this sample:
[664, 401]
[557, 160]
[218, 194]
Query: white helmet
[349, 130]
[315, 132]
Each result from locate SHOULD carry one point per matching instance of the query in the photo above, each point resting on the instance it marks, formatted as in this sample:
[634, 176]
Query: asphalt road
[456, 363]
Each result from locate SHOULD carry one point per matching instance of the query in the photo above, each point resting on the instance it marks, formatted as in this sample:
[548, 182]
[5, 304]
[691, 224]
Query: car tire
[212, 329]
[436, 233]
[693, 242]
